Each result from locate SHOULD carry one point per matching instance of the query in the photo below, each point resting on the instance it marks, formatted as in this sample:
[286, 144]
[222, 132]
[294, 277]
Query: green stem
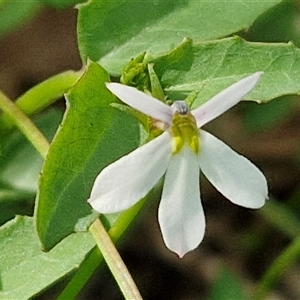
[25, 125]
[90, 264]
[43, 95]
[114, 261]
[282, 263]
[81, 277]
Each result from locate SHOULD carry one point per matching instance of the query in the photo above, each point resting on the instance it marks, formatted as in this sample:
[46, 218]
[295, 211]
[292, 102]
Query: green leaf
[227, 287]
[92, 135]
[115, 31]
[279, 24]
[209, 67]
[13, 14]
[25, 269]
[261, 117]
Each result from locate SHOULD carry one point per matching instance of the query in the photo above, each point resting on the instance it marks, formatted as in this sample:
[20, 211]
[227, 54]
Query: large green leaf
[92, 135]
[115, 31]
[26, 269]
[209, 67]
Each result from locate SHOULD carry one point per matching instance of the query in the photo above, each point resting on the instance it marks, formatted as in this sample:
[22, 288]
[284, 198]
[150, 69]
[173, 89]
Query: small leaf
[135, 74]
[21, 257]
[92, 135]
[156, 88]
[115, 31]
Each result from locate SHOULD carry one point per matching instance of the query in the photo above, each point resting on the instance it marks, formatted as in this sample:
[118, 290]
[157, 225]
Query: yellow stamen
[184, 130]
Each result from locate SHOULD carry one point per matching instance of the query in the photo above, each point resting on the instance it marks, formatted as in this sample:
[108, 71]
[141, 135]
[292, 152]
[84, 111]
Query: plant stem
[282, 263]
[114, 261]
[43, 95]
[25, 125]
[81, 277]
[94, 259]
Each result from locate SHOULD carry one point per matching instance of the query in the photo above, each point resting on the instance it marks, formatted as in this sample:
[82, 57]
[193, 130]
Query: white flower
[180, 152]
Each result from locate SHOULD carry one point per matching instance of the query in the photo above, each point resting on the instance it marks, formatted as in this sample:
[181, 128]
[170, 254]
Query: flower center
[184, 128]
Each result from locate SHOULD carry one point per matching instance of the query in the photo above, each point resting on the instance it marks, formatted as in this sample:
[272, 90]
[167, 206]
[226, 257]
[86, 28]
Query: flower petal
[180, 213]
[225, 99]
[142, 102]
[124, 182]
[232, 174]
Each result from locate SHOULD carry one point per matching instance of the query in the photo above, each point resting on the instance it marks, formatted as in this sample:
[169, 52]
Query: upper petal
[124, 182]
[180, 213]
[224, 100]
[232, 174]
[142, 102]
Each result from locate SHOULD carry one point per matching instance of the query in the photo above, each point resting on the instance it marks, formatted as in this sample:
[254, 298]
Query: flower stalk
[114, 262]
[90, 264]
